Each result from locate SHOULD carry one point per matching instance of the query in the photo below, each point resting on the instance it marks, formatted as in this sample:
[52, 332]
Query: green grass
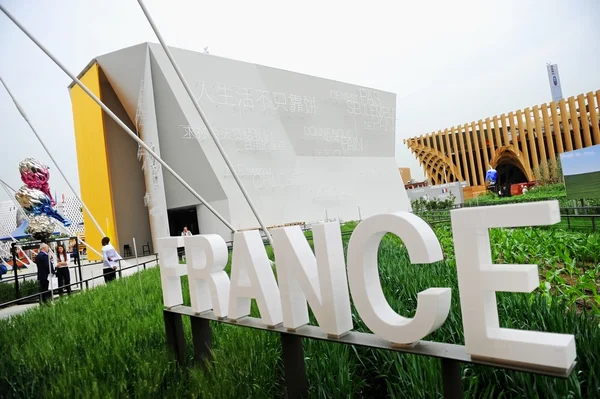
[585, 185]
[110, 341]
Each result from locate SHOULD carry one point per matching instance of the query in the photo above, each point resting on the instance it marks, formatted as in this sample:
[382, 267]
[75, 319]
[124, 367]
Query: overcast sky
[449, 62]
[585, 160]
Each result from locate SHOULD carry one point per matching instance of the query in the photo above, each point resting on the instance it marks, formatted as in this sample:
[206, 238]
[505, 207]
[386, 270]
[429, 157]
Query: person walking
[62, 269]
[45, 269]
[110, 257]
[75, 254]
[181, 250]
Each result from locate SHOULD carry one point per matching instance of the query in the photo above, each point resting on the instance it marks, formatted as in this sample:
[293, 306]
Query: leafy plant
[549, 172]
[433, 204]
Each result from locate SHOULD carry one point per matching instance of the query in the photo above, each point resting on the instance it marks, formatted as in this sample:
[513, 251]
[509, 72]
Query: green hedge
[7, 288]
[539, 193]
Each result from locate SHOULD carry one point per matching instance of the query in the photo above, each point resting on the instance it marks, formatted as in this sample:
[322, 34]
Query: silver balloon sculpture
[35, 199]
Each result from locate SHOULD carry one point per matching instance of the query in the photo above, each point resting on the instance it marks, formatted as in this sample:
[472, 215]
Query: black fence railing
[38, 295]
[581, 211]
[574, 218]
[10, 279]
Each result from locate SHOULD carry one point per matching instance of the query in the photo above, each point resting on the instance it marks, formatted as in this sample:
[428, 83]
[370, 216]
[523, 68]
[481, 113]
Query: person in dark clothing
[75, 254]
[44, 269]
[62, 270]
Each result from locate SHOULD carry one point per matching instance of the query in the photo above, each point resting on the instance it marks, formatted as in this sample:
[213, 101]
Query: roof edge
[83, 72]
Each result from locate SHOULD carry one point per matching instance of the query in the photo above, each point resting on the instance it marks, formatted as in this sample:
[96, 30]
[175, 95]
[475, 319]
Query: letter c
[433, 304]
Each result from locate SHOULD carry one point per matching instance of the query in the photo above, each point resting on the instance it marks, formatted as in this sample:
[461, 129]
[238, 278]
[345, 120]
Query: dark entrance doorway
[508, 174]
[182, 217]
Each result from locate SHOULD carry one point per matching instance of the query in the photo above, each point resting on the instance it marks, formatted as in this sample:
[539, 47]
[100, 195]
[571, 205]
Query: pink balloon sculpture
[35, 175]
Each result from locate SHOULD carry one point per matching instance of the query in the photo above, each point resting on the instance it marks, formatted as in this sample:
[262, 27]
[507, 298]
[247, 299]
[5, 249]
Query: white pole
[137, 262]
[116, 119]
[3, 261]
[24, 115]
[205, 120]
[4, 251]
[19, 248]
[10, 235]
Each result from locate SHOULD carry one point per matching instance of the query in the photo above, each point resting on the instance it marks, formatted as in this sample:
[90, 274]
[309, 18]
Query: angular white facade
[305, 148]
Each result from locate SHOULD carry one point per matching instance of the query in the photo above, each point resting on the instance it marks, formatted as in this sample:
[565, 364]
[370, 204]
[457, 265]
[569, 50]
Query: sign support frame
[451, 356]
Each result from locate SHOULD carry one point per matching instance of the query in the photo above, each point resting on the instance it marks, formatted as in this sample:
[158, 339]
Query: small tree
[433, 204]
[554, 174]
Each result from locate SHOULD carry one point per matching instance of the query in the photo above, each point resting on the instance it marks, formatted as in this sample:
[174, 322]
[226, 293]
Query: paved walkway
[88, 271]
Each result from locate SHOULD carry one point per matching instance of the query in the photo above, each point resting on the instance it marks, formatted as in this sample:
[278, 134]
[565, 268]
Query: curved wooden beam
[433, 166]
[516, 157]
[429, 155]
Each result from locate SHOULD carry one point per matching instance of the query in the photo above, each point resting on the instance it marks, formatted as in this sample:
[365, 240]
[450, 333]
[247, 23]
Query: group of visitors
[46, 270]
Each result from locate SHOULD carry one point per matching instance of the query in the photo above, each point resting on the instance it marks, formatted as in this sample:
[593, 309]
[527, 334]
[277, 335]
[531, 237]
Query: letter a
[252, 277]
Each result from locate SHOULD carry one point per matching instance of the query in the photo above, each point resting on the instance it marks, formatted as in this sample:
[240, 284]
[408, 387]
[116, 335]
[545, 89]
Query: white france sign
[323, 281]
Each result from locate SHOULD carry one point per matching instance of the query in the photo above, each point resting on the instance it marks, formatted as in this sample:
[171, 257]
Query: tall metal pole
[13, 250]
[205, 120]
[24, 115]
[116, 119]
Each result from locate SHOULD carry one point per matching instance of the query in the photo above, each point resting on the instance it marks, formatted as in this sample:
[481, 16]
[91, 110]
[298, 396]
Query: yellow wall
[92, 161]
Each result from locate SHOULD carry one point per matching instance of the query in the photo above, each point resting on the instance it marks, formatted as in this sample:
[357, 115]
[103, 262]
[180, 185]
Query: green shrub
[7, 288]
[433, 204]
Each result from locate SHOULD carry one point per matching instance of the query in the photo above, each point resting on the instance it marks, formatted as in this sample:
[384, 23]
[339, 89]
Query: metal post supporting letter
[293, 365]
[175, 337]
[202, 339]
[452, 379]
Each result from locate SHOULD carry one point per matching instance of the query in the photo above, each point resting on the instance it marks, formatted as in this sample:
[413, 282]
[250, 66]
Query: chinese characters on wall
[367, 103]
[263, 178]
[346, 141]
[254, 99]
[248, 139]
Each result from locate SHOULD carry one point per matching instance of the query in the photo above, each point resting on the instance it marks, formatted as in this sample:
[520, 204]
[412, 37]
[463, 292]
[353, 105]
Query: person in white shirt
[186, 232]
[110, 259]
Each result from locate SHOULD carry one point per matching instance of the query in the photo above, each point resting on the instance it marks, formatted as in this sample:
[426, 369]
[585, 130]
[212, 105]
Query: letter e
[479, 279]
